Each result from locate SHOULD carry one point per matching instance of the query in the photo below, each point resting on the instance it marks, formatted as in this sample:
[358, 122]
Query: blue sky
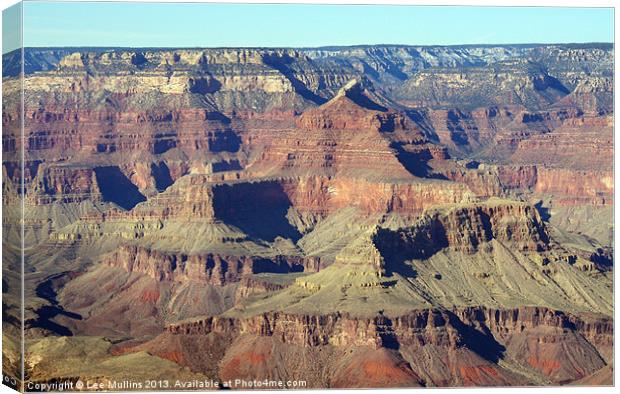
[11, 18]
[216, 25]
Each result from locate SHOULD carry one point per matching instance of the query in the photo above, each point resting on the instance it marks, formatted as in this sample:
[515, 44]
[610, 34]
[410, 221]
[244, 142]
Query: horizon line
[321, 47]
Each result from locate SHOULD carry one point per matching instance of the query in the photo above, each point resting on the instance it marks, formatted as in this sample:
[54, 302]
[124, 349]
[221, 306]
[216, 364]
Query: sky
[296, 25]
[11, 19]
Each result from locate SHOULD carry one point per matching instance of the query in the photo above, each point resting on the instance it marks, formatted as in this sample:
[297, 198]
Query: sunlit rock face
[372, 216]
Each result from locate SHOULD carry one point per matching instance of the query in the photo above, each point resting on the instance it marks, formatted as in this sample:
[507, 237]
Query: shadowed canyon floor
[373, 216]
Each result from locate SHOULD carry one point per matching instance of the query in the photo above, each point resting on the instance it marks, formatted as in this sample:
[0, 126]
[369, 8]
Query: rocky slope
[364, 216]
[473, 340]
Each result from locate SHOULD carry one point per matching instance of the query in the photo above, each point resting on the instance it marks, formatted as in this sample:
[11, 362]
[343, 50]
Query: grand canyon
[365, 216]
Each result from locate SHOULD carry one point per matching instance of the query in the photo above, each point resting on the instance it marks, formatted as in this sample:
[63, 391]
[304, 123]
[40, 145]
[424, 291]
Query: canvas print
[204, 196]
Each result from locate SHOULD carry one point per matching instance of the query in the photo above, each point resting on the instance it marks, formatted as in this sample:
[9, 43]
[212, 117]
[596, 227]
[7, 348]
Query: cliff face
[397, 215]
[209, 268]
[183, 101]
[504, 83]
[68, 184]
[478, 334]
[468, 228]
[328, 139]
[442, 328]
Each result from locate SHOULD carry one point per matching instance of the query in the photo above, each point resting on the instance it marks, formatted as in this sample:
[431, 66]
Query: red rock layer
[59, 131]
[580, 143]
[374, 368]
[328, 195]
[485, 333]
[576, 187]
[566, 186]
[339, 137]
[66, 184]
[476, 128]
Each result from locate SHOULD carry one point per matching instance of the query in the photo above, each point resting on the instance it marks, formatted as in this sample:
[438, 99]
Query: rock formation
[364, 216]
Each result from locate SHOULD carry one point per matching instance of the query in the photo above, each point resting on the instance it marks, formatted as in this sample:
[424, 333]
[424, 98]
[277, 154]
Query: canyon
[368, 216]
